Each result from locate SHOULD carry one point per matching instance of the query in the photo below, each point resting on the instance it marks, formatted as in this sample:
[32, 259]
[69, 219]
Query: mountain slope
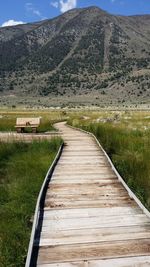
[81, 52]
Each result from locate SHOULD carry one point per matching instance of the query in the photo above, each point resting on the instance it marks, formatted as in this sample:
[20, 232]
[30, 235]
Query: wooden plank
[84, 197]
[94, 222]
[106, 250]
[143, 261]
[92, 216]
[89, 173]
[88, 212]
[85, 191]
[78, 236]
[88, 204]
[84, 175]
[83, 154]
[73, 168]
[85, 157]
[84, 160]
[86, 181]
[89, 187]
[81, 148]
[58, 196]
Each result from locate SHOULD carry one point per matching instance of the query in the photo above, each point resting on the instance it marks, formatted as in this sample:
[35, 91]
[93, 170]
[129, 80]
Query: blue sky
[18, 11]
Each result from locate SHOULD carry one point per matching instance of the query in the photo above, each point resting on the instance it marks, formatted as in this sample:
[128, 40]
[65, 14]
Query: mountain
[83, 56]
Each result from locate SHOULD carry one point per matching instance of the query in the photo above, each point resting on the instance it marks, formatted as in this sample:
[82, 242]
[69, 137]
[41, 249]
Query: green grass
[8, 124]
[48, 118]
[22, 171]
[129, 150]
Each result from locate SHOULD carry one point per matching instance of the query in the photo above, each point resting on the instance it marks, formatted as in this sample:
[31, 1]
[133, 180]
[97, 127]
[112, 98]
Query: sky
[13, 12]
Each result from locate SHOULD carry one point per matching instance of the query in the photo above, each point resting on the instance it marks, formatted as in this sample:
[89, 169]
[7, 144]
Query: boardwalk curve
[89, 219]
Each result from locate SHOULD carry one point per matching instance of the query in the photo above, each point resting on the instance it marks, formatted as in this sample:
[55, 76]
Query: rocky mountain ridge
[84, 52]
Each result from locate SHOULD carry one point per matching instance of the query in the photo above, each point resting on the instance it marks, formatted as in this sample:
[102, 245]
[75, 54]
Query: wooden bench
[22, 123]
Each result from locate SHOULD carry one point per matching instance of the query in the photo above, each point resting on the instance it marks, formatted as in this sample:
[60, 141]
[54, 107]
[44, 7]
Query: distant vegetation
[129, 148]
[22, 171]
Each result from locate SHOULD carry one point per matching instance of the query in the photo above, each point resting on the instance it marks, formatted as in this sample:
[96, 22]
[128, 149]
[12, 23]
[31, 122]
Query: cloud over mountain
[12, 22]
[65, 6]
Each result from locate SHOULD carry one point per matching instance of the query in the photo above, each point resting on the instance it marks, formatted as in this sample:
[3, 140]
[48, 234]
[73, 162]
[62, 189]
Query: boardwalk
[89, 219]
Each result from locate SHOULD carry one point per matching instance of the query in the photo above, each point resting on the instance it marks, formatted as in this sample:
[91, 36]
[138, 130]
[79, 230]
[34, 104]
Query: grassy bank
[129, 151]
[22, 170]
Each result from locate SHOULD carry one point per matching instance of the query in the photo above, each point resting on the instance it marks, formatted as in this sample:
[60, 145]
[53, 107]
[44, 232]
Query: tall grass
[22, 170]
[129, 151]
[7, 124]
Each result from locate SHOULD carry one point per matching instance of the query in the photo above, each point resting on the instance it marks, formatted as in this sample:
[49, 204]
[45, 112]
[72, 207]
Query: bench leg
[34, 130]
[18, 130]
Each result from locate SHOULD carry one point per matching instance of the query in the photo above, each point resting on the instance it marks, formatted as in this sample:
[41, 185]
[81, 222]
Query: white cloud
[12, 22]
[67, 5]
[119, 2]
[29, 4]
[54, 4]
[64, 5]
[37, 12]
[30, 8]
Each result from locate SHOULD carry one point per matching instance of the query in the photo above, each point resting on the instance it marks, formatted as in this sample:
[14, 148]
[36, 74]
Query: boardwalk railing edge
[38, 205]
[131, 194]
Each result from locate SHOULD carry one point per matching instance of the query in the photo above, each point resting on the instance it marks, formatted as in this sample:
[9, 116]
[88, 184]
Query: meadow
[8, 119]
[22, 170]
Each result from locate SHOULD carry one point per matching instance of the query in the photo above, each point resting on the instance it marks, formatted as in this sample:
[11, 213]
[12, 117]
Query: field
[125, 135]
[22, 170]
[8, 119]
[23, 167]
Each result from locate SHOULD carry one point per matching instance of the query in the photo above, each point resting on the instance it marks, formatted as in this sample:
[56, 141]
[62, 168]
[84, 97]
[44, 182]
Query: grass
[128, 145]
[22, 170]
[8, 124]
[8, 119]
